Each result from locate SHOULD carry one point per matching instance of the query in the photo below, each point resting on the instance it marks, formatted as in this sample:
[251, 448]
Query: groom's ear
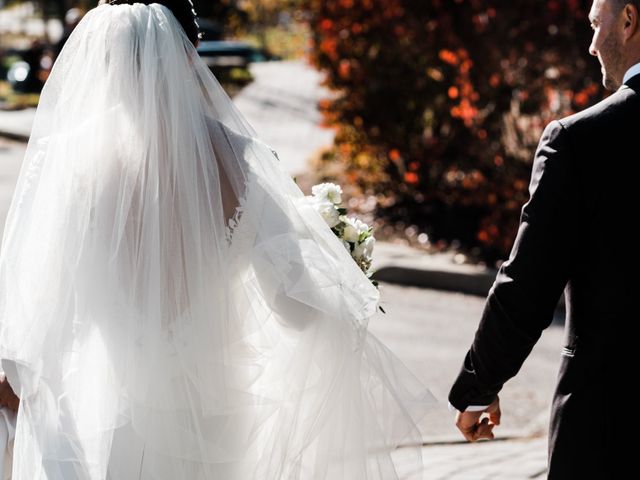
[630, 15]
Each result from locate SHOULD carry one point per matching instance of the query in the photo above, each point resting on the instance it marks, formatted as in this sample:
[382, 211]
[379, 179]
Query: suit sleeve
[522, 300]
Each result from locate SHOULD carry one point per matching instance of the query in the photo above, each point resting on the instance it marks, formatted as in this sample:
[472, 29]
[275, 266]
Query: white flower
[328, 211]
[353, 228]
[365, 249]
[328, 191]
[347, 245]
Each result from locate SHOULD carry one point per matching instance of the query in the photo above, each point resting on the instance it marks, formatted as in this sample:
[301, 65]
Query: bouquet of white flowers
[357, 237]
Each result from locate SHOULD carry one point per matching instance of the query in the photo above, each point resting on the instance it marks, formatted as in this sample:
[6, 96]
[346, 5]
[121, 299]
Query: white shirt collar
[632, 72]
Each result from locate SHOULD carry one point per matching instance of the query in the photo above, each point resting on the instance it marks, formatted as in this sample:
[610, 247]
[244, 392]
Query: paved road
[494, 460]
[281, 105]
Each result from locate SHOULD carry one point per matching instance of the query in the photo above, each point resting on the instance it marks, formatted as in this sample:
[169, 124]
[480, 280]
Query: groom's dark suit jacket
[577, 235]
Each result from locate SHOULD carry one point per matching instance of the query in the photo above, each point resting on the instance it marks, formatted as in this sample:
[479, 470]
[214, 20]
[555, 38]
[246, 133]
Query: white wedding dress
[170, 305]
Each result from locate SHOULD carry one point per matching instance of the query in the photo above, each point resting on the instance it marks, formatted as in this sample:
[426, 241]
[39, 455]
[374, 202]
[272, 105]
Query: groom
[575, 236]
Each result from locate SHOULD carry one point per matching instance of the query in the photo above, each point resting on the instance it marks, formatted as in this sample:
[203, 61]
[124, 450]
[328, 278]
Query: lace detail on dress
[239, 232]
[234, 221]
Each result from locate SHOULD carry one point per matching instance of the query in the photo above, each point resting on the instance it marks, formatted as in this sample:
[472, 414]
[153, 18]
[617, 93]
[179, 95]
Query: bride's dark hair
[182, 9]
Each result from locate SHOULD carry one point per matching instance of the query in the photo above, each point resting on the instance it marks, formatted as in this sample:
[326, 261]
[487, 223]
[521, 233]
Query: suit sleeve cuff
[470, 408]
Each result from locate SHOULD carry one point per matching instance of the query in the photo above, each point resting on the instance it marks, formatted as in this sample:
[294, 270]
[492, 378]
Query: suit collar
[632, 82]
[631, 72]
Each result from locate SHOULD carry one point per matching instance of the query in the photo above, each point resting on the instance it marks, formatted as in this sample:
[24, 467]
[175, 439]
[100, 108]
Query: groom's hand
[473, 428]
[8, 398]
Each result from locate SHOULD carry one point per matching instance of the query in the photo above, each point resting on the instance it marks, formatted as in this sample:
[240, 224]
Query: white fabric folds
[170, 305]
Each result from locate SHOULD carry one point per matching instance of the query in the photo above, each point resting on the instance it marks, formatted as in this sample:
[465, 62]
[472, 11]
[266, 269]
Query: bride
[171, 308]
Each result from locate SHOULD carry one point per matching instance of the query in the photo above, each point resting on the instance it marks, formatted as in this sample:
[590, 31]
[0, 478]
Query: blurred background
[427, 113]
[433, 108]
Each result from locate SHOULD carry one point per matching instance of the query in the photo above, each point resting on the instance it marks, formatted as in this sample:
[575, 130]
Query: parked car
[27, 70]
[228, 54]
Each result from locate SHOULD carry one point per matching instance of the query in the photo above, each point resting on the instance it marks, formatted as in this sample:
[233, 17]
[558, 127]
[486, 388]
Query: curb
[18, 137]
[17, 124]
[497, 439]
[470, 283]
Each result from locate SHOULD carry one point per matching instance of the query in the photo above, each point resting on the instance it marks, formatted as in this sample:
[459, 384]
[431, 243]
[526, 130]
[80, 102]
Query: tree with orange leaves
[441, 103]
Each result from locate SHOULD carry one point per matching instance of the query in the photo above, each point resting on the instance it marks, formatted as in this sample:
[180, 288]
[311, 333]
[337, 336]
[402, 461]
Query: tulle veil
[171, 307]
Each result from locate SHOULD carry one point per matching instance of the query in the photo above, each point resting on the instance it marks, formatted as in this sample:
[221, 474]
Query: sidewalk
[485, 460]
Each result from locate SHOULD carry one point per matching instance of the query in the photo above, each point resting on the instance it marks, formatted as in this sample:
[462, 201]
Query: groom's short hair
[621, 4]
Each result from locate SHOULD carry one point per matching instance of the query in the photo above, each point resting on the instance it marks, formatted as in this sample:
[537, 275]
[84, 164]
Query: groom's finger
[468, 432]
[495, 417]
[467, 423]
[484, 430]
[470, 435]
[494, 412]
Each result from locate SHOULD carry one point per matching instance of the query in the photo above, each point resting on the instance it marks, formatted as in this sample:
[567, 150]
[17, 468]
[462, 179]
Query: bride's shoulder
[218, 125]
[221, 130]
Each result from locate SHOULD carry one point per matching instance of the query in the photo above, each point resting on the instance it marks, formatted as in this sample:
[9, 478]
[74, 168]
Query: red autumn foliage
[442, 103]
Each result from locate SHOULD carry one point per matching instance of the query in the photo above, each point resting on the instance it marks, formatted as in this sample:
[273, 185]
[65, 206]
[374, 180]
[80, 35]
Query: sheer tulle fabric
[171, 307]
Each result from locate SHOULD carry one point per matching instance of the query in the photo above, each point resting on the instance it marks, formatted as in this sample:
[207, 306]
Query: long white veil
[171, 308]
